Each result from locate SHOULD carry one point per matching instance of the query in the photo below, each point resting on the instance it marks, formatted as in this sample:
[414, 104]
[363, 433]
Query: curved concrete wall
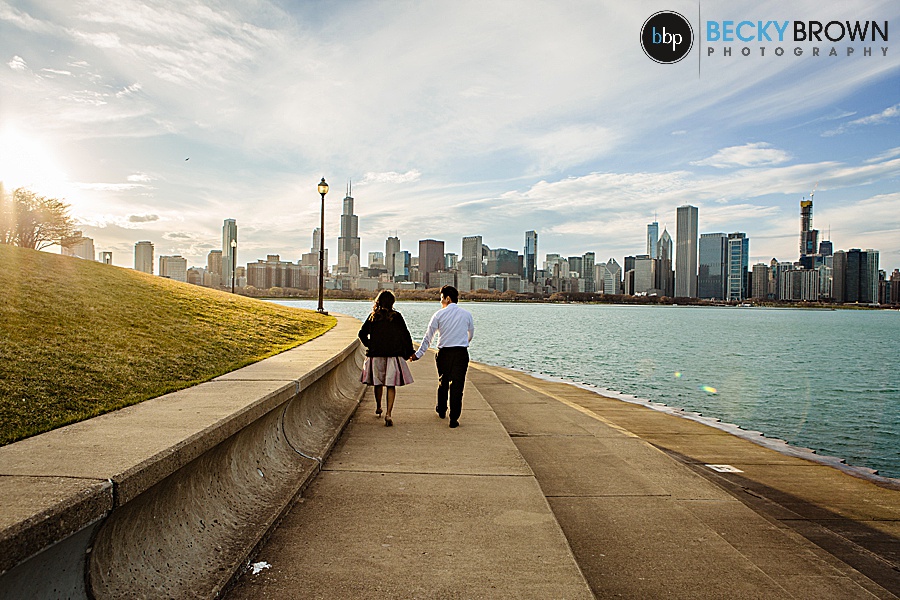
[186, 511]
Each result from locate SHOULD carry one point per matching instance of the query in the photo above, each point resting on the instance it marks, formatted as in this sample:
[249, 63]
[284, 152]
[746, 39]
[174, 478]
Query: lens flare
[677, 374]
[708, 389]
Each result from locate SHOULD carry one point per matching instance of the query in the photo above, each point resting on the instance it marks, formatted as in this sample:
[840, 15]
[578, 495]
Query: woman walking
[388, 345]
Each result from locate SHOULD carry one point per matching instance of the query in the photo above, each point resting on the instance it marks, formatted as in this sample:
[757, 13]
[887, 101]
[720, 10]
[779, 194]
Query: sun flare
[27, 161]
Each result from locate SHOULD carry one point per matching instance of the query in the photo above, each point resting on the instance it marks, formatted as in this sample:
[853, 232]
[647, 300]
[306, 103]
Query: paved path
[550, 491]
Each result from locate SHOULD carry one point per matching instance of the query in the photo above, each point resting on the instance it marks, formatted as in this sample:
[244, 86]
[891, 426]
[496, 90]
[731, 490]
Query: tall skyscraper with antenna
[348, 242]
[809, 237]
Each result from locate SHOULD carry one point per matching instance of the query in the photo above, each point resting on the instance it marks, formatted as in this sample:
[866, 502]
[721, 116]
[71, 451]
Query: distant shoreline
[434, 295]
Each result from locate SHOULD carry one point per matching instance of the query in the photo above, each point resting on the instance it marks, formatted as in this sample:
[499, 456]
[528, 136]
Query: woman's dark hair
[384, 306]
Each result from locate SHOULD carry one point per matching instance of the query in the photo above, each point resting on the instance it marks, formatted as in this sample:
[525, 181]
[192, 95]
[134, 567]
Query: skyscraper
[665, 276]
[214, 267]
[711, 278]
[391, 247]
[738, 254]
[431, 258]
[652, 239]
[143, 257]
[856, 276]
[173, 267]
[229, 260]
[531, 250]
[78, 246]
[473, 254]
[348, 242]
[808, 236]
[588, 262]
[686, 241]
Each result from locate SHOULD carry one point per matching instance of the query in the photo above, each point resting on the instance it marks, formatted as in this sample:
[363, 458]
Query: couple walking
[389, 345]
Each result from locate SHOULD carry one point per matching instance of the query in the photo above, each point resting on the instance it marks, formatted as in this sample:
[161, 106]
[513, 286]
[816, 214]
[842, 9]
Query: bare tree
[33, 221]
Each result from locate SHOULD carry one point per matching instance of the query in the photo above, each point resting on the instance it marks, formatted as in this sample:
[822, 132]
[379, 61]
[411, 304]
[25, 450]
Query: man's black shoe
[441, 413]
[454, 424]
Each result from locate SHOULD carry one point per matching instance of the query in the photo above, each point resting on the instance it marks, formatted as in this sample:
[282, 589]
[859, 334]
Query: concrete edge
[76, 503]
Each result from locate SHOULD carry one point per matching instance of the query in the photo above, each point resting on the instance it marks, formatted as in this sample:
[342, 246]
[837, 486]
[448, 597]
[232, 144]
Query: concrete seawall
[169, 497]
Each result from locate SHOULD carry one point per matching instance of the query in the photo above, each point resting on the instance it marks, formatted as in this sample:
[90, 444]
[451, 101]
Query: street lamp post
[323, 189]
[233, 262]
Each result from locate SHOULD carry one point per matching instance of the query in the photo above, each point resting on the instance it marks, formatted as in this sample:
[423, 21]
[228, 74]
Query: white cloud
[391, 177]
[885, 116]
[749, 155]
[17, 64]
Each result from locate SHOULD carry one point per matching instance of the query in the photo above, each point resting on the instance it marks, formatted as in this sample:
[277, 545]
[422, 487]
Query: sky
[157, 121]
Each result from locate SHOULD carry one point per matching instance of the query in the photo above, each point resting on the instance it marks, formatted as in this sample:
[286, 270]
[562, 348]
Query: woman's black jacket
[386, 337]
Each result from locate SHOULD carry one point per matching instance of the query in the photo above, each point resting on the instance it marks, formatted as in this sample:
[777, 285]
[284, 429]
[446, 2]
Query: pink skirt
[391, 371]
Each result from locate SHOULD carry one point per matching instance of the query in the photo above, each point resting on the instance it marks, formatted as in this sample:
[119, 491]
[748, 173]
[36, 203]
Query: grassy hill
[80, 338]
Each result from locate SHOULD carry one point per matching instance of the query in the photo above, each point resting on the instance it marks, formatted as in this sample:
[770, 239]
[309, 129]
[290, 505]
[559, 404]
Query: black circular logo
[667, 37]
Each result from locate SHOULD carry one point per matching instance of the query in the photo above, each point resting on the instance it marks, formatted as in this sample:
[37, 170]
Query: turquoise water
[825, 380]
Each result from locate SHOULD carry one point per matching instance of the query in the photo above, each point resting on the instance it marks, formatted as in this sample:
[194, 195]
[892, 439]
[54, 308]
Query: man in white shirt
[455, 328]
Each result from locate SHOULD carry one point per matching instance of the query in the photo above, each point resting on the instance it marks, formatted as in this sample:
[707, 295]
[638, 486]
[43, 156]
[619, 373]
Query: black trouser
[452, 364]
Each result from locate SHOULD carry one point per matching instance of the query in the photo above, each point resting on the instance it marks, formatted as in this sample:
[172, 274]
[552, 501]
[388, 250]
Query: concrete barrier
[169, 497]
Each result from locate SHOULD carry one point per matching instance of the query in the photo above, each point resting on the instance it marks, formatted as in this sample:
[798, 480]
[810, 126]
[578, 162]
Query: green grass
[79, 338]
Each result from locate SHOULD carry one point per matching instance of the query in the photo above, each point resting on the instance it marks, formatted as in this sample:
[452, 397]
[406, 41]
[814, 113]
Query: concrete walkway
[550, 491]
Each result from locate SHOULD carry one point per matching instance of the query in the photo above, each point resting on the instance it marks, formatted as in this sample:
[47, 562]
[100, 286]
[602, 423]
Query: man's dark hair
[450, 292]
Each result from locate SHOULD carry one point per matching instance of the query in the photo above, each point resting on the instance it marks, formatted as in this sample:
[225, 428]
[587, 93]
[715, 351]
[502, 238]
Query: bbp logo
[667, 37]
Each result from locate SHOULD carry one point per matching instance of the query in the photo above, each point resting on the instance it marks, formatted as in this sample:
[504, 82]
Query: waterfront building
[561, 269]
[276, 273]
[451, 261]
[686, 242]
[348, 242]
[644, 276]
[196, 275]
[229, 258]
[588, 260]
[473, 254]
[576, 266]
[609, 277]
[531, 253]
[652, 239]
[213, 275]
[738, 260]
[402, 262]
[760, 280]
[431, 258]
[855, 276]
[143, 257]
[895, 287]
[711, 277]
[665, 276]
[502, 260]
[78, 246]
[808, 236]
[376, 260]
[173, 267]
[438, 279]
[826, 278]
[391, 247]
[551, 262]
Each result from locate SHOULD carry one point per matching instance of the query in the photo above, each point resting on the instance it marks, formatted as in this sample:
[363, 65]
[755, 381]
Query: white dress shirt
[454, 326]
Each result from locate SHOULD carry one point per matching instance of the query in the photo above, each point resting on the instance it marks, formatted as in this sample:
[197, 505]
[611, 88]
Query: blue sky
[451, 119]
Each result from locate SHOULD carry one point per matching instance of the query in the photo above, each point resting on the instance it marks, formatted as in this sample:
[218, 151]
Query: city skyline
[158, 123]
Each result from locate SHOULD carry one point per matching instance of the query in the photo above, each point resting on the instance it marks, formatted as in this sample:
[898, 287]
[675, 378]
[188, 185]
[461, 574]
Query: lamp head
[323, 187]
[234, 243]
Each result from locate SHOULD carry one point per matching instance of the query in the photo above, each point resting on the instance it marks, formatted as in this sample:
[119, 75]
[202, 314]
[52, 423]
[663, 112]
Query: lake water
[820, 379]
